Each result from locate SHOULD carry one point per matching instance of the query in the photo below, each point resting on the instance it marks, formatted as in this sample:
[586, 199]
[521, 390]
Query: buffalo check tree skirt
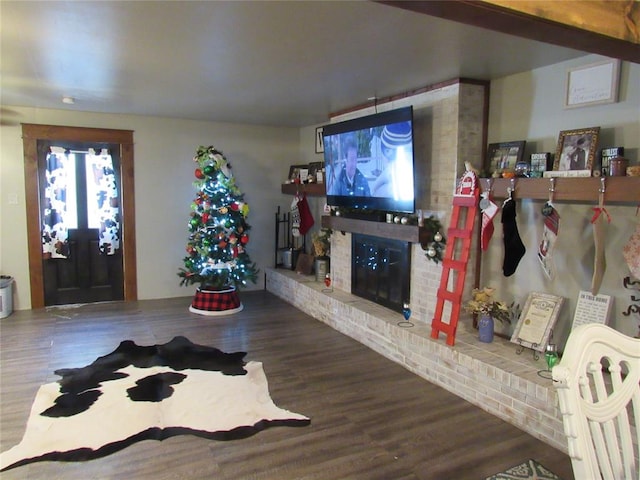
[216, 302]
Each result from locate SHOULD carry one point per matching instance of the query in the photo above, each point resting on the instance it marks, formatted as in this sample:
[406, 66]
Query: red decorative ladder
[459, 236]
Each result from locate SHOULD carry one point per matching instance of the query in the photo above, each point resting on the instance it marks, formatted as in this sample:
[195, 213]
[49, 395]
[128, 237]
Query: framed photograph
[296, 170]
[592, 84]
[315, 172]
[504, 156]
[538, 317]
[319, 140]
[576, 149]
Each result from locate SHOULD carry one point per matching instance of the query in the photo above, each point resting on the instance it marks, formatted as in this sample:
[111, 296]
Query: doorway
[87, 275]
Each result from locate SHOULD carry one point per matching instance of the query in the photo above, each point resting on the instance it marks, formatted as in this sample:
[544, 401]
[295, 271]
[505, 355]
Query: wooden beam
[609, 28]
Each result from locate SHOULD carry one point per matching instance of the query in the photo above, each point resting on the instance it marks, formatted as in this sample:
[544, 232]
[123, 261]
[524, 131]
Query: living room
[523, 106]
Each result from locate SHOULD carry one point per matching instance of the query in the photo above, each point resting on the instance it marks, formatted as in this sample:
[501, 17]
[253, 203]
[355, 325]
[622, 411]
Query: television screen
[369, 162]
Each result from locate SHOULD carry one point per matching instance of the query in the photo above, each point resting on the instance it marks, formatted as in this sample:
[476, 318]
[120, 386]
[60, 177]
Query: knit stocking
[514, 249]
[599, 223]
[547, 244]
[295, 217]
[489, 211]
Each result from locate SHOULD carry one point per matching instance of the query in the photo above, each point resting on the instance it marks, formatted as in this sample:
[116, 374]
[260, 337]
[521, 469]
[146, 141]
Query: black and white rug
[147, 392]
[529, 470]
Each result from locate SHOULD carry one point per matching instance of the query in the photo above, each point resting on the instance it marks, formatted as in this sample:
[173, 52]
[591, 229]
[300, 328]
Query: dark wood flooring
[370, 418]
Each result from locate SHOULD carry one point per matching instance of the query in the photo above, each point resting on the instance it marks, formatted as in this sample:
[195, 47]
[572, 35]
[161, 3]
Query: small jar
[618, 167]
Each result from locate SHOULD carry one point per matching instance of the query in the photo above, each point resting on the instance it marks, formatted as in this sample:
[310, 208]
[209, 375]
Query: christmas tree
[216, 251]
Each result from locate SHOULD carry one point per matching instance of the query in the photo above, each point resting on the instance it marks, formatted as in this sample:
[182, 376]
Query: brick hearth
[490, 376]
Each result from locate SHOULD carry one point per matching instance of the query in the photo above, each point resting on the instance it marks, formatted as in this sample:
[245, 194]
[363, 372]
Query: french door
[86, 274]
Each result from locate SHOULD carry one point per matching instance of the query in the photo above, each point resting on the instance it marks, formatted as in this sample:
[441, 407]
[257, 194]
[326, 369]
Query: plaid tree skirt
[216, 302]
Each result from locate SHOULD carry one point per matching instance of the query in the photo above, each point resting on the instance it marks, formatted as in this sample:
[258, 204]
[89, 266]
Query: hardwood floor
[370, 418]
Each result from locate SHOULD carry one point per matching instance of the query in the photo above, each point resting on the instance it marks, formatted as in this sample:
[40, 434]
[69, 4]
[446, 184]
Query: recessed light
[68, 100]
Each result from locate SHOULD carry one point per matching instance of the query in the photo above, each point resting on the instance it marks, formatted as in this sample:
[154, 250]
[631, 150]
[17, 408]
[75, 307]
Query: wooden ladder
[459, 237]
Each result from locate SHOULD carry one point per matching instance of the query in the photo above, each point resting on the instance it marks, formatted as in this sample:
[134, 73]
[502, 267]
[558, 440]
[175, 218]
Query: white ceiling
[261, 62]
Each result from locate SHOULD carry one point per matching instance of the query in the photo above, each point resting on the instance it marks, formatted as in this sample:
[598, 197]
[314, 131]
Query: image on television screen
[369, 162]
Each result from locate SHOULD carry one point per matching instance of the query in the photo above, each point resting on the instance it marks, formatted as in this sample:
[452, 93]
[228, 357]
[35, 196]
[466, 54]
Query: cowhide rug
[147, 392]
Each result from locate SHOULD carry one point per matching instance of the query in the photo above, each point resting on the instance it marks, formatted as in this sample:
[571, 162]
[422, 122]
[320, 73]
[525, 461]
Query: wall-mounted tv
[369, 162]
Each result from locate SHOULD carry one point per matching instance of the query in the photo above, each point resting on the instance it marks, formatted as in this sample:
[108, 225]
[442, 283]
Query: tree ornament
[223, 210]
[431, 252]
[222, 244]
[206, 242]
[194, 222]
[199, 174]
[209, 170]
[437, 237]
[205, 217]
[244, 239]
[235, 206]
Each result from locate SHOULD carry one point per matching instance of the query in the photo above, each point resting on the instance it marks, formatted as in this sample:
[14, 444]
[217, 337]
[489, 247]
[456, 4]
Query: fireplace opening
[381, 270]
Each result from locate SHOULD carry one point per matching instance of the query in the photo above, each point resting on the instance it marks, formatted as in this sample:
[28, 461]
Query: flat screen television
[369, 162]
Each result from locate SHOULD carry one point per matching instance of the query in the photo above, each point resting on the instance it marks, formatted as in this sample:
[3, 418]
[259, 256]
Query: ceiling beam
[610, 28]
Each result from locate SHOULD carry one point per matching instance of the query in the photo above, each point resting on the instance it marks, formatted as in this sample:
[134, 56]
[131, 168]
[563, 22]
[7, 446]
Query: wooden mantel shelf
[586, 189]
[405, 233]
[311, 189]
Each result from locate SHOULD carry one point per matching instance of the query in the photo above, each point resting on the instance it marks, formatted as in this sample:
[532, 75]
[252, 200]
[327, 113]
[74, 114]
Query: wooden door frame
[31, 134]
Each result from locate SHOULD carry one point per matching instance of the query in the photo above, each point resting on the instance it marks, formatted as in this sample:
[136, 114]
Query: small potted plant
[488, 309]
[322, 248]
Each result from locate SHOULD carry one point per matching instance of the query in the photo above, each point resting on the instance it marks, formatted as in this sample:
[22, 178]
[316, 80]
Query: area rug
[529, 470]
[147, 393]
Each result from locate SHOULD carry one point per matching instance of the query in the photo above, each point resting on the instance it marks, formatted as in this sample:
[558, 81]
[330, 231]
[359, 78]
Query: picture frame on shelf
[539, 316]
[319, 140]
[504, 156]
[576, 151]
[593, 84]
[315, 172]
[295, 172]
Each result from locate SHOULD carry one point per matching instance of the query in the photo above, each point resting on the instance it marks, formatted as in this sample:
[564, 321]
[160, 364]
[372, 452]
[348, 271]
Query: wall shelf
[406, 233]
[586, 189]
[311, 189]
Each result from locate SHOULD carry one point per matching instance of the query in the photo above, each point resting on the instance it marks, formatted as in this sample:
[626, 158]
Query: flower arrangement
[483, 303]
[322, 242]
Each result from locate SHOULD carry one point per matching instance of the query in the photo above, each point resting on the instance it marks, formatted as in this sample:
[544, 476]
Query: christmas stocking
[306, 218]
[514, 249]
[631, 253]
[599, 222]
[489, 211]
[295, 217]
[548, 242]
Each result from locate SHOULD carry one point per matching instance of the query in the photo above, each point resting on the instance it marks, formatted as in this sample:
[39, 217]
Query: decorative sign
[538, 317]
[593, 84]
[467, 185]
[591, 309]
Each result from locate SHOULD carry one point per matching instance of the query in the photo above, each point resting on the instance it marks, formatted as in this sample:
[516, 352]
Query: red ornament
[222, 244]
[244, 239]
[205, 217]
[235, 207]
[199, 174]
[235, 252]
[327, 280]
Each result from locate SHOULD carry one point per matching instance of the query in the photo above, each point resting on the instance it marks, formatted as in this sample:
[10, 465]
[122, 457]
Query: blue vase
[485, 329]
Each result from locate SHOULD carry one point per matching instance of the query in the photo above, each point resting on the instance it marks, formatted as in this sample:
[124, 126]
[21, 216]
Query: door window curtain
[59, 206]
[103, 200]
[55, 232]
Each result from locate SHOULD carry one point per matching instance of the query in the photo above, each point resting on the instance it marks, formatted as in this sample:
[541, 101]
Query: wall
[529, 106]
[164, 149]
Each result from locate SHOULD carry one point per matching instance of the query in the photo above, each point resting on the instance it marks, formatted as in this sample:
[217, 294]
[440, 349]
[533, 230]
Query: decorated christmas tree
[217, 258]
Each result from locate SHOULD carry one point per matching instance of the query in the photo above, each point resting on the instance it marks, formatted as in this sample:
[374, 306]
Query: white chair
[598, 385]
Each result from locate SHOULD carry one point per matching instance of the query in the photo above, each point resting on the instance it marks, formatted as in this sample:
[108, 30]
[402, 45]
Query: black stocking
[514, 249]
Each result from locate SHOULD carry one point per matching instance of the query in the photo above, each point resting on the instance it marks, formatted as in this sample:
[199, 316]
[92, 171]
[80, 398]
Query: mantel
[406, 233]
[617, 189]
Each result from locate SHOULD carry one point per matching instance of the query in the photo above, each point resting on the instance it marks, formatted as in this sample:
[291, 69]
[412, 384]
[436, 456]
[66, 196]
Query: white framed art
[593, 84]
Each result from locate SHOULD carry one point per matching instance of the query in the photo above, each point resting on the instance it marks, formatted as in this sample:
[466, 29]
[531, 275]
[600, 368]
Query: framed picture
[538, 317]
[592, 84]
[315, 172]
[319, 140]
[576, 149]
[504, 156]
[295, 172]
